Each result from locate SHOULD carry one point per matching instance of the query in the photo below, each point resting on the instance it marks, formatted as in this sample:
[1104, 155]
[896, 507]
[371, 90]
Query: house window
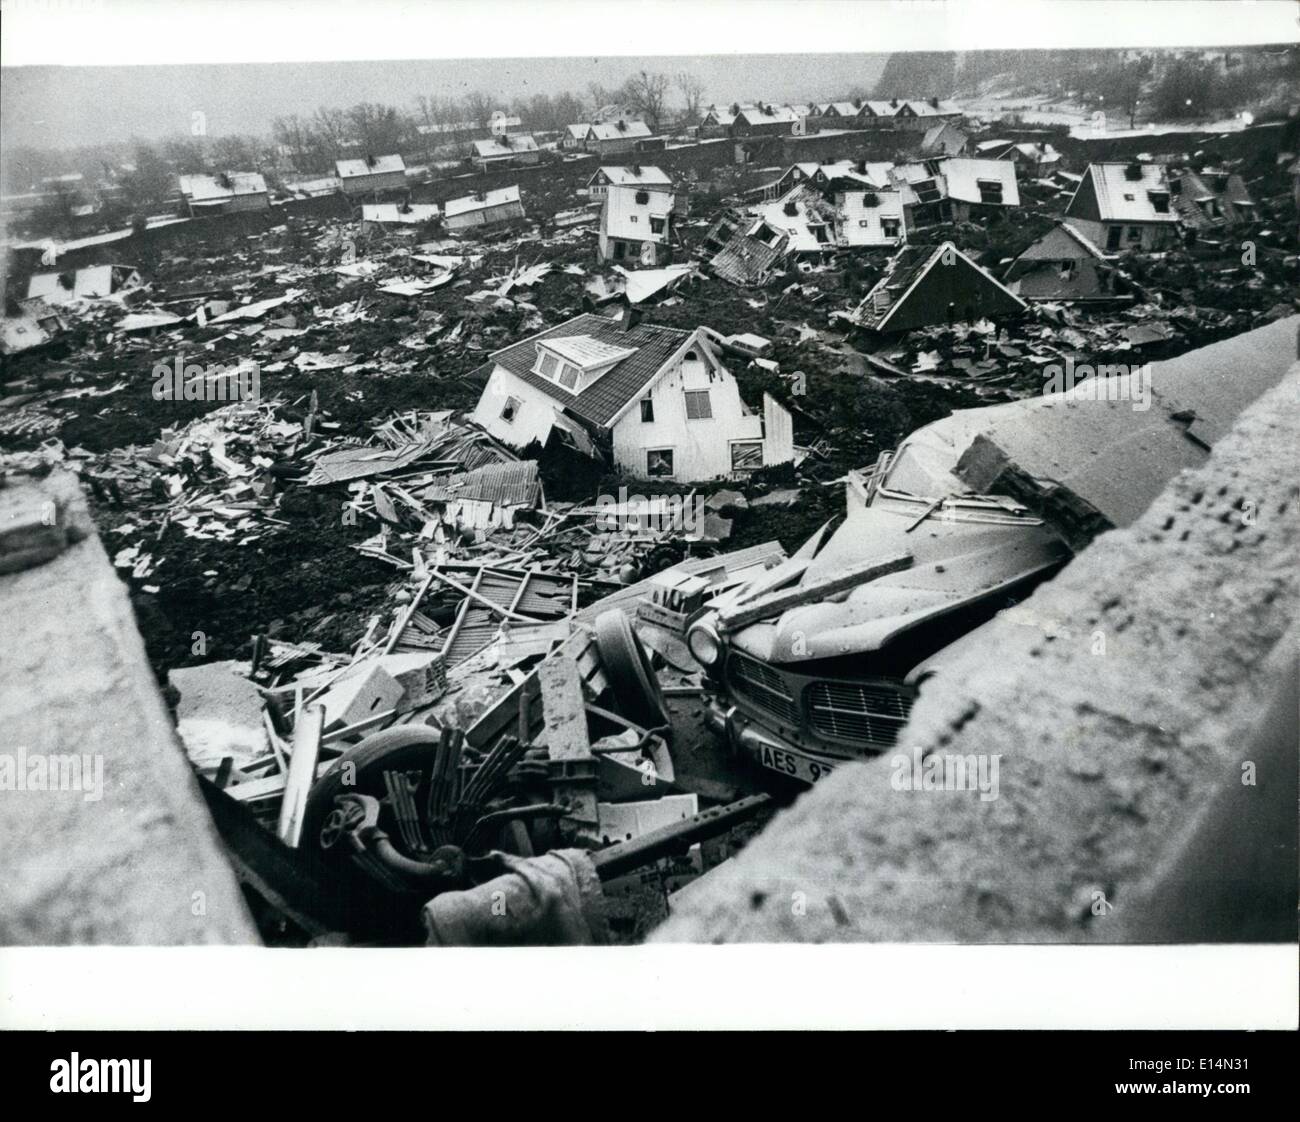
[511, 410]
[656, 225]
[746, 455]
[1134, 234]
[1113, 235]
[889, 227]
[1159, 201]
[698, 407]
[568, 376]
[632, 217]
[620, 251]
[647, 409]
[642, 197]
[548, 365]
[990, 190]
[1067, 270]
[659, 462]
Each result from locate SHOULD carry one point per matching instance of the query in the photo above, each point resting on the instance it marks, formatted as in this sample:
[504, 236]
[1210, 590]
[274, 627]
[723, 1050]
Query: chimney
[370, 160]
[934, 103]
[862, 166]
[636, 170]
[630, 318]
[893, 103]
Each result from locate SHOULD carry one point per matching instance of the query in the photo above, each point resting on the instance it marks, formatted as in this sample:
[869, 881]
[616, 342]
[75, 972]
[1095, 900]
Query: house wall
[485, 217]
[778, 432]
[1155, 235]
[379, 181]
[533, 420]
[702, 448]
[514, 159]
[970, 293]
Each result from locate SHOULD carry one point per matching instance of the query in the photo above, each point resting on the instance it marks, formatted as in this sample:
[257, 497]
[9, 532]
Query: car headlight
[704, 643]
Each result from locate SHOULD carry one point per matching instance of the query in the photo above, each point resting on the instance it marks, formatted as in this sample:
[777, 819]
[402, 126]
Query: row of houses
[611, 138]
[764, 118]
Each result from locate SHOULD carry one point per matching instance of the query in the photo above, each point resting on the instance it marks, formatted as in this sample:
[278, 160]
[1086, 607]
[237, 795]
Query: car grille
[864, 714]
[763, 686]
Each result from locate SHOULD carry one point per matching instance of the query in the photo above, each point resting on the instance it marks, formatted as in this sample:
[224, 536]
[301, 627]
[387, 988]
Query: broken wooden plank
[302, 774]
[777, 602]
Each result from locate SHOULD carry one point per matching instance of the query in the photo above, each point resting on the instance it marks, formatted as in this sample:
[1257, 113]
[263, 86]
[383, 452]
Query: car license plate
[794, 765]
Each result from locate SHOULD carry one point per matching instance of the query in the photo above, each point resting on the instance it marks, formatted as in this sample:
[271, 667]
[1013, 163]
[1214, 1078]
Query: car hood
[957, 560]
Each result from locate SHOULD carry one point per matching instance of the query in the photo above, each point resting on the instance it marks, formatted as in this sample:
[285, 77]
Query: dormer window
[574, 362]
[1159, 201]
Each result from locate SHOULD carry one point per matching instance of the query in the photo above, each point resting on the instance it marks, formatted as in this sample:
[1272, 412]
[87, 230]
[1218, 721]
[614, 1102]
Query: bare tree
[648, 94]
[330, 128]
[692, 91]
[295, 134]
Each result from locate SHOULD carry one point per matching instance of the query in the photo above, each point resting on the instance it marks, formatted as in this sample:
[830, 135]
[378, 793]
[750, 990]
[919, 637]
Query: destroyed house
[657, 399]
[768, 120]
[373, 173]
[1124, 206]
[506, 149]
[636, 225]
[978, 187]
[377, 216]
[621, 136]
[224, 193]
[848, 173]
[932, 285]
[745, 250]
[1211, 200]
[1065, 265]
[87, 283]
[651, 179]
[817, 221]
[483, 209]
[924, 193]
[1037, 159]
[945, 139]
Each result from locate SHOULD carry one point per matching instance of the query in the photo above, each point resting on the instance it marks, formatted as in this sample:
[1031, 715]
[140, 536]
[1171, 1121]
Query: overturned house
[484, 209]
[1065, 265]
[933, 285]
[1210, 200]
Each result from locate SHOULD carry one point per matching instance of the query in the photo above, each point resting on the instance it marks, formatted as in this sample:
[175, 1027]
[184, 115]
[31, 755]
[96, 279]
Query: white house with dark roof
[371, 173]
[657, 400]
[1124, 206]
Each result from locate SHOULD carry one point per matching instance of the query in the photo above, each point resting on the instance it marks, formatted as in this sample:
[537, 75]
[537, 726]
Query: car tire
[632, 680]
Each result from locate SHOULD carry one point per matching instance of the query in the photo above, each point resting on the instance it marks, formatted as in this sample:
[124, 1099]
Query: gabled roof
[464, 205]
[935, 132]
[578, 132]
[963, 176]
[350, 169]
[600, 402]
[838, 108]
[883, 108]
[1121, 199]
[620, 130]
[781, 114]
[502, 146]
[907, 270]
[721, 114]
[811, 212]
[210, 188]
[633, 176]
[925, 108]
[1197, 188]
